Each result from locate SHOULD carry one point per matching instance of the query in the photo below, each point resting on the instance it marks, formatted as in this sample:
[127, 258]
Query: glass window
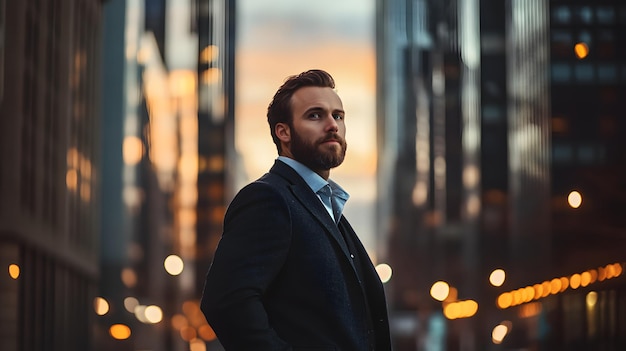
[586, 154]
[584, 72]
[561, 14]
[562, 153]
[607, 73]
[585, 14]
[561, 72]
[605, 15]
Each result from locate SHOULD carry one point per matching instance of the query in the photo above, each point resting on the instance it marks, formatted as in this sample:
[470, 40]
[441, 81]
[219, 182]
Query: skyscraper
[49, 179]
[496, 119]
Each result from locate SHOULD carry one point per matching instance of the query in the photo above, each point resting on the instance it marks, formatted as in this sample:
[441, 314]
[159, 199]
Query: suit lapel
[311, 202]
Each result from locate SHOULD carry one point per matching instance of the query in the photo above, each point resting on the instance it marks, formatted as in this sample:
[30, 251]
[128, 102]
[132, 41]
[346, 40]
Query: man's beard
[315, 158]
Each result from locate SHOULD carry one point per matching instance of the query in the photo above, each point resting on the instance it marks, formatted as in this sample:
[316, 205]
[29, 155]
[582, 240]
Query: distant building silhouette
[50, 173]
[491, 113]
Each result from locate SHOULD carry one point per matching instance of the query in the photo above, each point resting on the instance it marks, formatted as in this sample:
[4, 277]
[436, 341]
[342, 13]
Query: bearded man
[289, 272]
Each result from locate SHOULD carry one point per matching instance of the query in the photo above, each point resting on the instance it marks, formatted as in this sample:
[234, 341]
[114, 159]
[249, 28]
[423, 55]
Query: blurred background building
[501, 161]
[49, 179]
[501, 156]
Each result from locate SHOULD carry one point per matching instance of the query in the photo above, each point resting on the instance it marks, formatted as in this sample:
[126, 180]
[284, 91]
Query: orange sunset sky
[279, 38]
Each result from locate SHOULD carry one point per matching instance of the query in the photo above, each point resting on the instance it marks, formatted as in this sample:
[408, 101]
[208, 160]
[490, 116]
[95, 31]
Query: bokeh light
[120, 331]
[440, 290]
[497, 277]
[384, 272]
[101, 306]
[173, 265]
[574, 199]
[581, 50]
[14, 271]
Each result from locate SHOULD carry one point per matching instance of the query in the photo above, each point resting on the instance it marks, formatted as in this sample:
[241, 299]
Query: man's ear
[283, 132]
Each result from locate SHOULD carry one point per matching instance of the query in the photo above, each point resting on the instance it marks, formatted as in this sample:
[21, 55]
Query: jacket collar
[301, 190]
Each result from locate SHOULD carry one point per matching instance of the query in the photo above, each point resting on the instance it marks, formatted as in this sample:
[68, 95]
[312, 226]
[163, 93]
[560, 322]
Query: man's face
[317, 130]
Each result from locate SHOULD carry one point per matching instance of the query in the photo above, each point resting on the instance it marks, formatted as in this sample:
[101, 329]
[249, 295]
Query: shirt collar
[314, 180]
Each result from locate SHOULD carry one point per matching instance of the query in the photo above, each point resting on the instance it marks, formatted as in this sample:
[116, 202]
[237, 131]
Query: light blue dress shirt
[330, 193]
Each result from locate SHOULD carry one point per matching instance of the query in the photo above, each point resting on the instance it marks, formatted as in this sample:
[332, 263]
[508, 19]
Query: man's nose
[332, 125]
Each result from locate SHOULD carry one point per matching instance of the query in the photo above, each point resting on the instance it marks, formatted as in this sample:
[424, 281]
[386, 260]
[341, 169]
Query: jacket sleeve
[250, 254]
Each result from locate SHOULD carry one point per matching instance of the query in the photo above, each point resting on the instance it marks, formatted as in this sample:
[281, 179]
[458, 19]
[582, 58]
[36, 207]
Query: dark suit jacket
[283, 277]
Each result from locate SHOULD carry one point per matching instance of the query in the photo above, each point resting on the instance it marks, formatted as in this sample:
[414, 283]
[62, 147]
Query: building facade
[49, 179]
[499, 149]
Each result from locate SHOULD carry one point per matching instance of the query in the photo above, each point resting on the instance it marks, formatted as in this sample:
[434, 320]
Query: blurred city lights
[440, 290]
[120, 331]
[591, 299]
[173, 265]
[188, 333]
[575, 199]
[153, 314]
[556, 286]
[130, 303]
[460, 309]
[101, 306]
[132, 150]
[140, 313]
[14, 271]
[497, 277]
[207, 333]
[581, 50]
[498, 333]
[384, 272]
[129, 277]
[179, 321]
[197, 345]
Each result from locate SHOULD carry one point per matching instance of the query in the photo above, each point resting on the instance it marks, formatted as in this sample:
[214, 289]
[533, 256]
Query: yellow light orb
[440, 290]
[497, 277]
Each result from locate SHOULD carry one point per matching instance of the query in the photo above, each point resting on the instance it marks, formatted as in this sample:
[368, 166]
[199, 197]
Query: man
[289, 272]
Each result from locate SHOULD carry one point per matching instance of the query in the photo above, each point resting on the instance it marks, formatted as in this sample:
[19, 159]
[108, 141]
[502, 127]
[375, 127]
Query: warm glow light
[555, 286]
[498, 333]
[129, 277]
[120, 331]
[173, 265]
[71, 179]
[384, 272]
[497, 277]
[132, 150]
[206, 333]
[209, 54]
[440, 290]
[14, 271]
[101, 306]
[179, 321]
[538, 290]
[591, 299]
[574, 281]
[505, 300]
[585, 279]
[460, 309]
[153, 314]
[140, 313]
[575, 199]
[130, 303]
[564, 283]
[197, 345]
[188, 333]
[452, 310]
[530, 310]
[468, 308]
[581, 50]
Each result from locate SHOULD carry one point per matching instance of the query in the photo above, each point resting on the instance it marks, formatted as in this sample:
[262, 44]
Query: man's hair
[279, 110]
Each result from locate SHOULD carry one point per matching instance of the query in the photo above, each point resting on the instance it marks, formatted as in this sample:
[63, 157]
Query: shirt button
[351, 255]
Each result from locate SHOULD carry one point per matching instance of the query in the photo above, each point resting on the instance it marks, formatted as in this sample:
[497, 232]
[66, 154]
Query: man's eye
[315, 115]
[337, 116]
